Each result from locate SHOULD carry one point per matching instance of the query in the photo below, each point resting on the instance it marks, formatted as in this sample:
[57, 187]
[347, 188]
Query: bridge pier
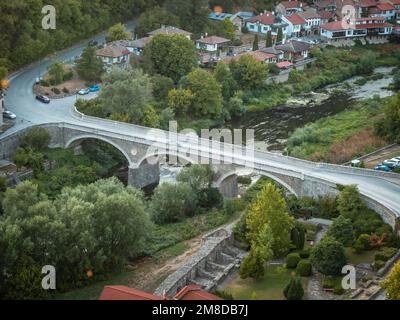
[229, 187]
[146, 175]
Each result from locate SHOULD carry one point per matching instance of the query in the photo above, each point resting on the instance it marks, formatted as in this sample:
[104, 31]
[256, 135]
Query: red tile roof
[113, 51]
[385, 6]
[367, 3]
[265, 18]
[395, 2]
[194, 292]
[190, 292]
[283, 64]
[326, 15]
[295, 19]
[125, 293]
[336, 25]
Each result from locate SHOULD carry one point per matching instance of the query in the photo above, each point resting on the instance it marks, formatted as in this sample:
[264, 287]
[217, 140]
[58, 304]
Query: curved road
[21, 101]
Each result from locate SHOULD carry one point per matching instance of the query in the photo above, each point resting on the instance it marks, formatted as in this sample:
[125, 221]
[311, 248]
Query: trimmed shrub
[292, 260]
[362, 243]
[294, 289]
[304, 268]
[304, 254]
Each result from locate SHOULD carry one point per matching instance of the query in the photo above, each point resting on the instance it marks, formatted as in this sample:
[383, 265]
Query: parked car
[381, 167]
[9, 115]
[94, 88]
[391, 164]
[82, 92]
[43, 99]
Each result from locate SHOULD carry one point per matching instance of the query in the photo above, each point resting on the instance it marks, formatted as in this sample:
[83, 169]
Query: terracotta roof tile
[295, 19]
[266, 18]
[113, 51]
[213, 40]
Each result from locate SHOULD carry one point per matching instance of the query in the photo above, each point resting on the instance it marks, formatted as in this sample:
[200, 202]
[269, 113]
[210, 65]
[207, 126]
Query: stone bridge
[145, 148]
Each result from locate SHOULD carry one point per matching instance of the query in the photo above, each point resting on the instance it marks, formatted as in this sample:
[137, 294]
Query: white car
[83, 92]
[9, 115]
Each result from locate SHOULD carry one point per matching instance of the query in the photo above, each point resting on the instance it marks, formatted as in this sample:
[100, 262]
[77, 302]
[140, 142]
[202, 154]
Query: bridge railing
[152, 133]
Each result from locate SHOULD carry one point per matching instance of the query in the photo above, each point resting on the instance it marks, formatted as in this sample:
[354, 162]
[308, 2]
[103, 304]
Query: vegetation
[389, 125]
[304, 268]
[117, 32]
[328, 256]
[292, 260]
[89, 66]
[153, 19]
[338, 138]
[342, 230]
[294, 289]
[248, 72]
[392, 283]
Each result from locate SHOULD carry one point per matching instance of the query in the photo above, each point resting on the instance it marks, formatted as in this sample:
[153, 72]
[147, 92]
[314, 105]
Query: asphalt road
[29, 111]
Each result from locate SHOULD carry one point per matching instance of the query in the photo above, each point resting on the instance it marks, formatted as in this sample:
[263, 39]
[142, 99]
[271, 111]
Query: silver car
[9, 115]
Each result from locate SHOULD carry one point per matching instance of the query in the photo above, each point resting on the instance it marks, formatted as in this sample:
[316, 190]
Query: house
[219, 16]
[290, 7]
[327, 16]
[295, 24]
[386, 10]
[294, 50]
[396, 4]
[360, 27]
[278, 53]
[265, 22]
[366, 7]
[239, 19]
[313, 21]
[169, 30]
[138, 45]
[190, 292]
[326, 5]
[212, 44]
[113, 55]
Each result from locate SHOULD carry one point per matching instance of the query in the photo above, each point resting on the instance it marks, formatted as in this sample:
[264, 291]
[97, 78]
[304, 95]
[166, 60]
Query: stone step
[206, 274]
[215, 266]
[225, 258]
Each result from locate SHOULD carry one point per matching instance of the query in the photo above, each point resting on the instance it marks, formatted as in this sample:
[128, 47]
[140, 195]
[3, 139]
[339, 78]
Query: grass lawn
[363, 257]
[268, 288]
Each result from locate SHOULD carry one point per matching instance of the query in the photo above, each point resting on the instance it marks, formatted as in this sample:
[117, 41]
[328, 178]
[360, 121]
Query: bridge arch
[101, 138]
[244, 171]
[179, 157]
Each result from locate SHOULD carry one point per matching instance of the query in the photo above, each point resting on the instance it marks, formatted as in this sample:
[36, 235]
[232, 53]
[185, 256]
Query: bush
[292, 260]
[234, 205]
[65, 90]
[68, 76]
[223, 294]
[294, 289]
[44, 83]
[304, 254]
[244, 180]
[378, 264]
[328, 256]
[362, 243]
[36, 138]
[338, 289]
[328, 283]
[210, 198]
[304, 268]
[56, 90]
[385, 254]
[342, 230]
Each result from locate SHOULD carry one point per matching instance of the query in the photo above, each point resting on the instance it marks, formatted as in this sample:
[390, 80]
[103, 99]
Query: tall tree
[252, 266]
[248, 72]
[224, 76]
[89, 66]
[56, 72]
[118, 32]
[153, 19]
[193, 14]
[349, 202]
[392, 283]
[255, 43]
[207, 97]
[170, 56]
[268, 42]
[294, 289]
[342, 230]
[279, 36]
[269, 207]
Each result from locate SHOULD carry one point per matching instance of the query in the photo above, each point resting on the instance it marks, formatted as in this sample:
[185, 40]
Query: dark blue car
[381, 167]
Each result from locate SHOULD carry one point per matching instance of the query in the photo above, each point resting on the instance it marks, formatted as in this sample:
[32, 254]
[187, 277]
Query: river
[272, 127]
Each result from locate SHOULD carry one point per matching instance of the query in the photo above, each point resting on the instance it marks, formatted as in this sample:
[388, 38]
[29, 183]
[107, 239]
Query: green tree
[170, 56]
[126, 92]
[151, 118]
[153, 19]
[235, 106]
[349, 202]
[342, 230]
[392, 283]
[228, 29]
[279, 36]
[172, 202]
[248, 72]
[89, 66]
[268, 42]
[36, 138]
[198, 177]
[270, 208]
[252, 266]
[255, 43]
[225, 78]
[391, 122]
[263, 243]
[161, 86]
[298, 235]
[193, 14]
[180, 100]
[294, 289]
[207, 97]
[118, 32]
[328, 256]
[56, 72]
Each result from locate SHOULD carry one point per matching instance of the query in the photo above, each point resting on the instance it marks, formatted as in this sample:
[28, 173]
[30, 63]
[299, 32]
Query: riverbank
[333, 66]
